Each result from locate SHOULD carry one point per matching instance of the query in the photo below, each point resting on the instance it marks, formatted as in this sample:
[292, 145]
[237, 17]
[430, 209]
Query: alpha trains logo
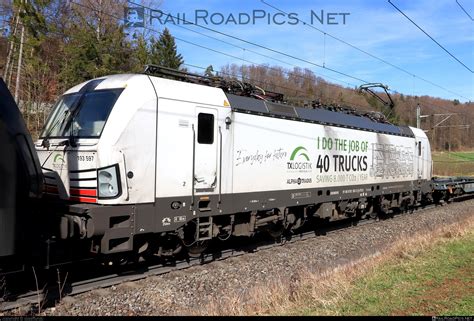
[299, 163]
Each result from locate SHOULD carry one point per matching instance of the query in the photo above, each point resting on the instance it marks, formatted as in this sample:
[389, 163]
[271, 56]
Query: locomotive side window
[419, 148]
[205, 128]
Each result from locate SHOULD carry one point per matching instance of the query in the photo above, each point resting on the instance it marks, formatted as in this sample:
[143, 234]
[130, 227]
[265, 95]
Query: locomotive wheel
[275, 229]
[116, 260]
[406, 207]
[383, 211]
[166, 246]
[372, 213]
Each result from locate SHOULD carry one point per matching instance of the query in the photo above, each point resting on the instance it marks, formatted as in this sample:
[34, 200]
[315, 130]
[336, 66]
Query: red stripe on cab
[83, 199]
[83, 192]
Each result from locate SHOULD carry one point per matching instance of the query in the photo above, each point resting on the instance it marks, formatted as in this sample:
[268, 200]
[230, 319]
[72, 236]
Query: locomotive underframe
[117, 229]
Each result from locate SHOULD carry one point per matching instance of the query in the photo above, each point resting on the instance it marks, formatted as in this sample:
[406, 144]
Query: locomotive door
[420, 152]
[206, 142]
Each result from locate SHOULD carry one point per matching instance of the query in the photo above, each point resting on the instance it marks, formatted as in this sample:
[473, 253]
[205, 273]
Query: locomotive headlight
[105, 176]
[108, 182]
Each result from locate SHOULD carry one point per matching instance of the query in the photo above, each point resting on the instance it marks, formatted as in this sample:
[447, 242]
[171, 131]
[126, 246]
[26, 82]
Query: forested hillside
[47, 46]
[303, 86]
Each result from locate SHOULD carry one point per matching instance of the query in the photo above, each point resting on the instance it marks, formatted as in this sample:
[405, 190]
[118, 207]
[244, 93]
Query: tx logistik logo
[58, 158]
[58, 161]
[299, 160]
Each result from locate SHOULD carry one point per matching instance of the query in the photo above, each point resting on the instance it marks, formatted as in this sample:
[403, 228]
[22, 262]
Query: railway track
[30, 300]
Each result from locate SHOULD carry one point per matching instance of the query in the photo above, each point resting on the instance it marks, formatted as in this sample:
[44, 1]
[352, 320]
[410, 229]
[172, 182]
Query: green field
[453, 164]
[435, 281]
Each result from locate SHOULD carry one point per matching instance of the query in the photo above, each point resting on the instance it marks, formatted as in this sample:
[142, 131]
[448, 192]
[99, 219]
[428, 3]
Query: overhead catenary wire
[339, 39]
[184, 40]
[62, 34]
[317, 65]
[262, 55]
[434, 40]
[261, 46]
[252, 43]
[292, 89]
[249, 42]
[304, 95]
[178, 38]
[368, 53]
[289, 73]
[199, 67]
[232, 56]
[464, 10]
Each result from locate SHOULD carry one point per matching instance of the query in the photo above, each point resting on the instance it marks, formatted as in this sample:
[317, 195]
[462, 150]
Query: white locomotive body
[139, 157]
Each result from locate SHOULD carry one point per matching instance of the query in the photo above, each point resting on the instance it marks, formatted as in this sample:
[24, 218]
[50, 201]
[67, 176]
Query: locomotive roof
[105, 82]
[318, 116]
[272, 109]
[240, 97]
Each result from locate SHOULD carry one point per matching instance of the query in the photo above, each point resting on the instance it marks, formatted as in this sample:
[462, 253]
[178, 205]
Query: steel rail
[51, 294]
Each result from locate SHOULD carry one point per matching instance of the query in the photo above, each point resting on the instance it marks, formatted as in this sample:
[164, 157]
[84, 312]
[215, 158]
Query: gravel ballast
[179, 291]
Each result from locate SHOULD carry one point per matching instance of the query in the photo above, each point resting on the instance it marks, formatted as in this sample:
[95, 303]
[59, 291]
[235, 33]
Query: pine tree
[140, 53]
[97, 46]
[164, 53]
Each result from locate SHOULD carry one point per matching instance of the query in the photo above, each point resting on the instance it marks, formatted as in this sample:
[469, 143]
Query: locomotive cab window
[419, 148]
[205, 128]
[81, 115]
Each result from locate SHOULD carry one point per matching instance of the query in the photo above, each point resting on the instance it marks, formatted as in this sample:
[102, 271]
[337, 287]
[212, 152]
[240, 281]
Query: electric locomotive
[149, 164]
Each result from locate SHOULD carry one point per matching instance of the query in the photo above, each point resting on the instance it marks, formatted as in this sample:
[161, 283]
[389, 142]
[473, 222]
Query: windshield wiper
[59, 121]
[90, 86]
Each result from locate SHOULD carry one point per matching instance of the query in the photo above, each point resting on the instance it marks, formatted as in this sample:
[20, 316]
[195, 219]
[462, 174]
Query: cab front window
[81, 115]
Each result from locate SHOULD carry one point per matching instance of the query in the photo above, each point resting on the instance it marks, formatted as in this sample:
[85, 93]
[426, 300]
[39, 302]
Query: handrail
[220, 167]
[191, 207]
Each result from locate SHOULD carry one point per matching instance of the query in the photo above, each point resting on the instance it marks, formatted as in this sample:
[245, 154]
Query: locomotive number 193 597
[85, 158]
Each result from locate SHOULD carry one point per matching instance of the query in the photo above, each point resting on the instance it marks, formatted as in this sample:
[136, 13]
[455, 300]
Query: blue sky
[373, 26]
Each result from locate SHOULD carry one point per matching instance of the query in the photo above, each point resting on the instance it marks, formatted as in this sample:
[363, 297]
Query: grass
[453, 164]
[435, 281]
[431, 273]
